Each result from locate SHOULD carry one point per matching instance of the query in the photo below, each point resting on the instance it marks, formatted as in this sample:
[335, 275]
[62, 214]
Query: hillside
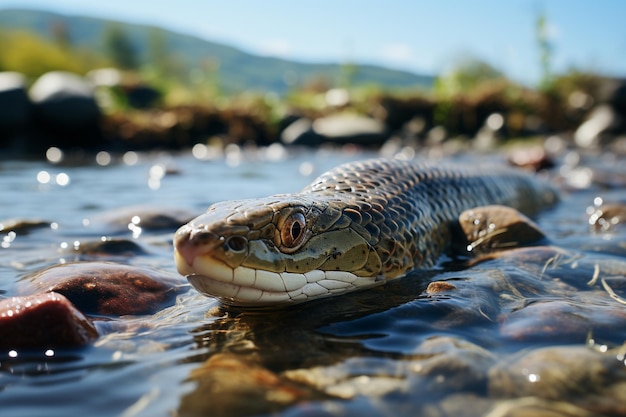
[238, 70]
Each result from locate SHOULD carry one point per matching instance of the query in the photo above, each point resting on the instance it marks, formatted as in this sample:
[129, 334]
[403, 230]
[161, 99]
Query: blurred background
[120, 76]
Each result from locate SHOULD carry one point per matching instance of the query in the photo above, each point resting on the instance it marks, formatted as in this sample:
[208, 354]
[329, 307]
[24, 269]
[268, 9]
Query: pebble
[102, 288]
[46, 320]
[233, 385]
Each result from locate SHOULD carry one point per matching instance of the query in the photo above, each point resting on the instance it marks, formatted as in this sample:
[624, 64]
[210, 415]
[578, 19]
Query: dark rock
[101, 288]
[115, 247]
[492, 228]
[43, 321]
[22, 225]
[300, 133]
[14, 102]
[130, 218]
[66, 100]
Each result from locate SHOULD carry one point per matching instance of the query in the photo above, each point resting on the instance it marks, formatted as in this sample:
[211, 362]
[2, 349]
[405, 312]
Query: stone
[15, 106]
[350, 128]
[532, 158]
[228, 385]
[66, 100]
[103, 288]
[43, 321]
[492, 228]
[300, 133]
[603, 119]
[607, 217]
[576, 374]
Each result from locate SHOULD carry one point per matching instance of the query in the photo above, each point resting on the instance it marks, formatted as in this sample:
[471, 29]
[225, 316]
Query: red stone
[103, 288]
[45, 321]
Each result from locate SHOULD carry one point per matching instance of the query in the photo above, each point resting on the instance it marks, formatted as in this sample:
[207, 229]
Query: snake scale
[356, 226]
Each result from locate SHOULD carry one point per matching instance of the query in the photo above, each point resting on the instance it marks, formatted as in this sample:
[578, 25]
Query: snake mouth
[242, 286]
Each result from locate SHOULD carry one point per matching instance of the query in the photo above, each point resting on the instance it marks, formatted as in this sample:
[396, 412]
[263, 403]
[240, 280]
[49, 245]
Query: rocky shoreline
[65, 111]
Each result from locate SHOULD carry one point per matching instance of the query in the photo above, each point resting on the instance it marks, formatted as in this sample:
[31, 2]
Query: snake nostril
[236, 244]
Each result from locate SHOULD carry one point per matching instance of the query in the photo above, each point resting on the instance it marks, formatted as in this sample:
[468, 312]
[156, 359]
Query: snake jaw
[243, 286]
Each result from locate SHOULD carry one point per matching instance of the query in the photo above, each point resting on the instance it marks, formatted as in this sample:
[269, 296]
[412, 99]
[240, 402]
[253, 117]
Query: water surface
[393, 350]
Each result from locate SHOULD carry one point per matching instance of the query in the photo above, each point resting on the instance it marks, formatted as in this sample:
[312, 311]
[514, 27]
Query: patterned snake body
[356, 226]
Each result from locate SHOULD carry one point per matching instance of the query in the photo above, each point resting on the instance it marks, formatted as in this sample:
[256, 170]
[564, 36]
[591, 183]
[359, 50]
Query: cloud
[276, 47]
[397, 52]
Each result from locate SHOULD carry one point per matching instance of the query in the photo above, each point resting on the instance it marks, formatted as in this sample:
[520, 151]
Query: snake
[356, 226]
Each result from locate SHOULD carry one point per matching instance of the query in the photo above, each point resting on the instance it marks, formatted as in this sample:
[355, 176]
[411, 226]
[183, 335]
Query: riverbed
[537, 330]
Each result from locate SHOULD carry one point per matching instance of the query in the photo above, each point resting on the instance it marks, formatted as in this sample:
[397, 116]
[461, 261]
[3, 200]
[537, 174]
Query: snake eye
[293, 231]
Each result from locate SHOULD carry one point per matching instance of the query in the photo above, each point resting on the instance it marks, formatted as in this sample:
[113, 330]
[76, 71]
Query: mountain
[238, 70]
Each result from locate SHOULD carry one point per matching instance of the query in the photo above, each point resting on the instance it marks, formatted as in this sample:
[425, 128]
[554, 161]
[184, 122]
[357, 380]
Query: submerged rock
[231, 385]
[101, 288]
[588, 378]
[43, 321]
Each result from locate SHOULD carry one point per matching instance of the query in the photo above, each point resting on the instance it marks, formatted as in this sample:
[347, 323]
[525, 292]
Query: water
[394, 350]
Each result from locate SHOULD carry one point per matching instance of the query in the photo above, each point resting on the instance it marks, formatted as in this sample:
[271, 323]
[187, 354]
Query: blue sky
[423, 37]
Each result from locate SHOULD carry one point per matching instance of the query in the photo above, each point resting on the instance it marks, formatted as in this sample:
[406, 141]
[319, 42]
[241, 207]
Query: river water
[535, 331]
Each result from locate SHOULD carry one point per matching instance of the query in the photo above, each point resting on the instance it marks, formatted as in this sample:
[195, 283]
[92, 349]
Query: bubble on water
[13, 353]
[54, 155]
[49, 353]
[54, 225]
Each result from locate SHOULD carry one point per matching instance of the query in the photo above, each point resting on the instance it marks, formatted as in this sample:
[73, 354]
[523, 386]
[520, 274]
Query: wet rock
[439, 287]
[14, 103]
[565, 320]
[43, 321]
[22, 225]
[65, 100]
[106, 247]
[492, 228]
[347, 128]
[607, 217]
[536, 407]
[576, 374]
[300, 133]
[602, 120]
[142, 218]
[533, 159]
[453, 364]
[231, 385]
[101, 288]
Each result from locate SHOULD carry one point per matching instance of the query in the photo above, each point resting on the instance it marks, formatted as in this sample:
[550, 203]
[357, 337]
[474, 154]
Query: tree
[119, 48]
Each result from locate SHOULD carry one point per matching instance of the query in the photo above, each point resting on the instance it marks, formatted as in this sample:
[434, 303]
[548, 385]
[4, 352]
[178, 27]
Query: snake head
[277, 250]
